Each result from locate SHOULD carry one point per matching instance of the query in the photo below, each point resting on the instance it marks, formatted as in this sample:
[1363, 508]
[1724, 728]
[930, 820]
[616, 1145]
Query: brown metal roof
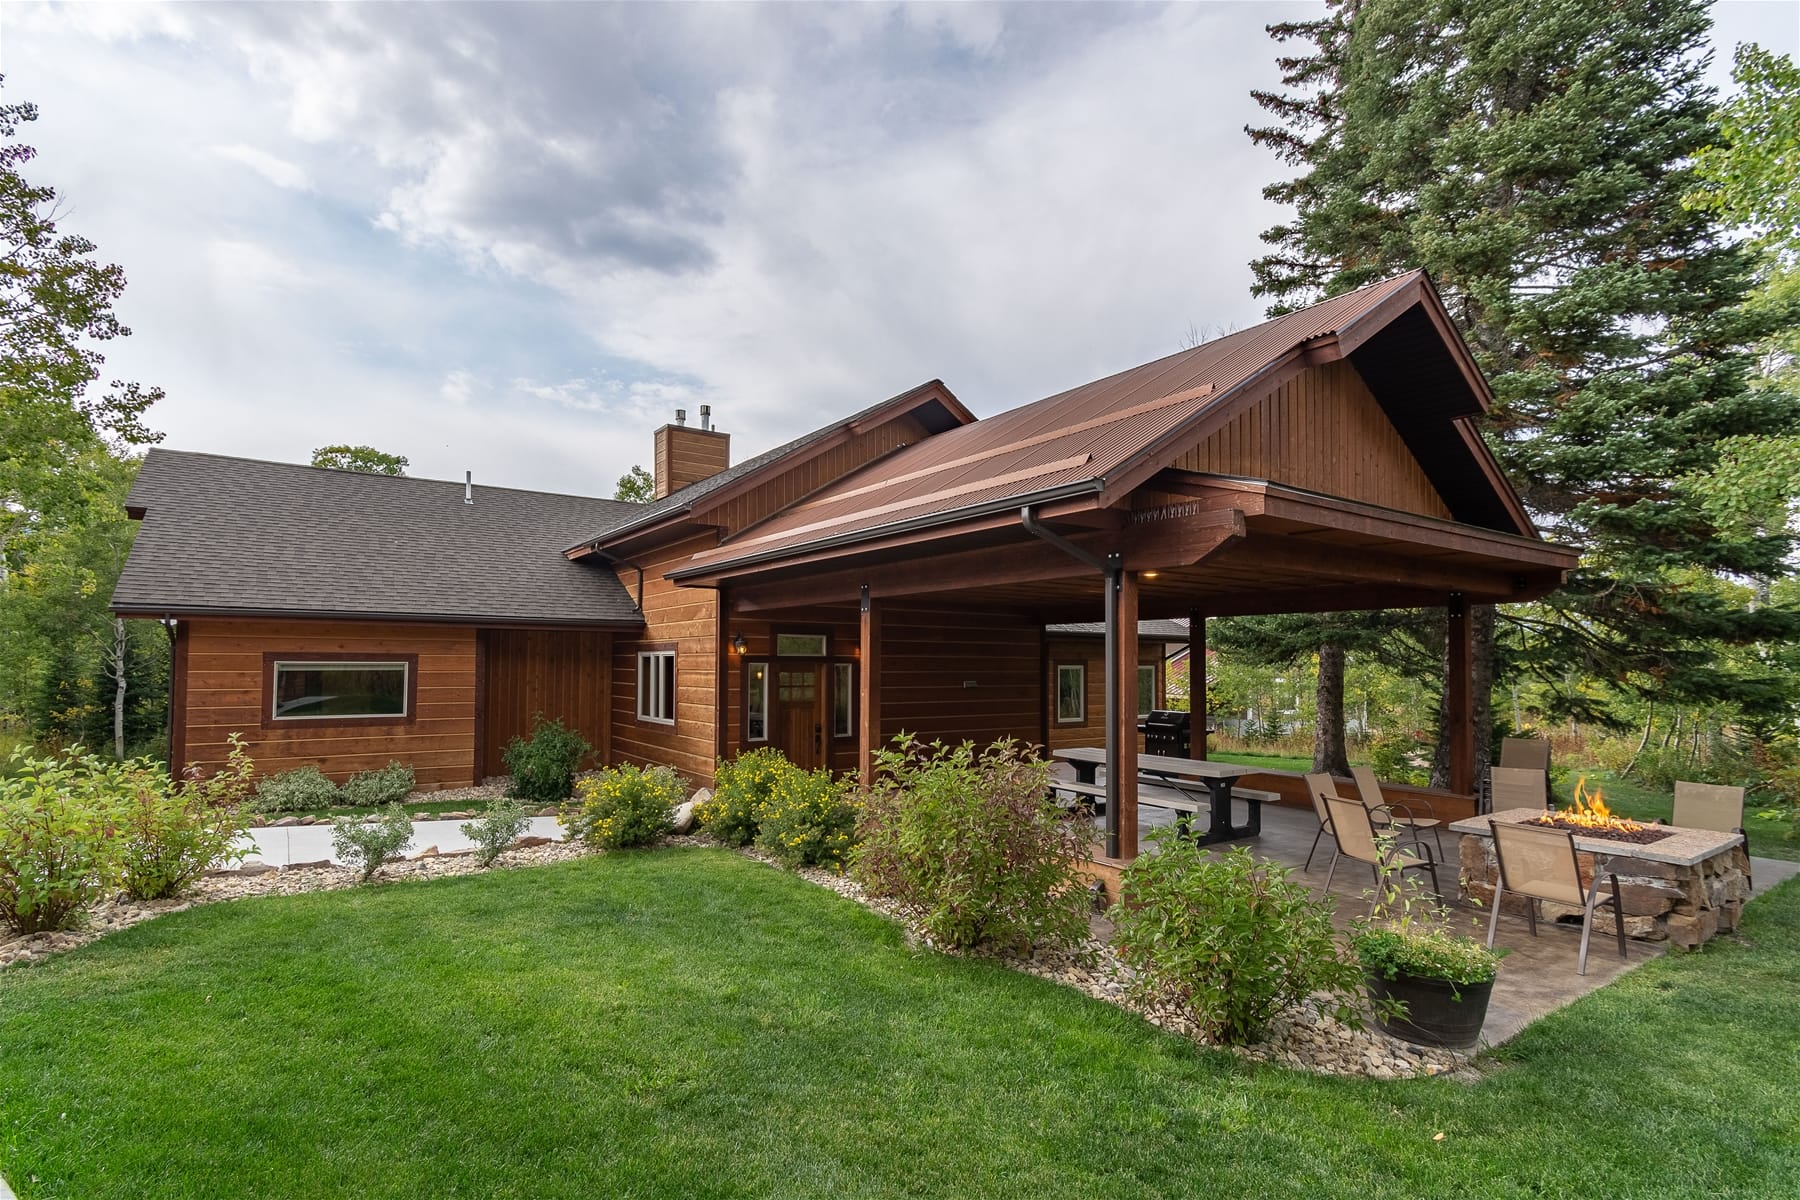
[1069, 444]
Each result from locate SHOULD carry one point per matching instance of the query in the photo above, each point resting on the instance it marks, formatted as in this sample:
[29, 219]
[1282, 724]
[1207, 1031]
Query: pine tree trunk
[1481, 687]
[1329, 754]
[120, 652]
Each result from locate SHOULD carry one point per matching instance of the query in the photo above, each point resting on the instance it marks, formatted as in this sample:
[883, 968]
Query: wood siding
[563, 675]
[223, 693]
[1091, 652]
[685, 454]
[1324, 431]
[685, 619]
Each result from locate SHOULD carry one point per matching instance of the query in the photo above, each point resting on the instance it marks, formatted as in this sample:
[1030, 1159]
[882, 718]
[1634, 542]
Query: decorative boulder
[684, 816]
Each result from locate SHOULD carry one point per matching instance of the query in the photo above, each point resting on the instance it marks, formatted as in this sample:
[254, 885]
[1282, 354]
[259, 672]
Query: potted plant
[1429, 986]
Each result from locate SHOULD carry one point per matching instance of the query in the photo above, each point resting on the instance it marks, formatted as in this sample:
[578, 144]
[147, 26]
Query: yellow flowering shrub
[623, 806]
[740, 789]
[808, 819]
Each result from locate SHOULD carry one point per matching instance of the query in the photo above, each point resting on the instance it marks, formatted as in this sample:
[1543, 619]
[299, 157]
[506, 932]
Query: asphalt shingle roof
[224, 534]
[1149, 631]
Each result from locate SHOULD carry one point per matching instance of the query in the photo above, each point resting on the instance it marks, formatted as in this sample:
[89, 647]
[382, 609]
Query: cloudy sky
[514, 239]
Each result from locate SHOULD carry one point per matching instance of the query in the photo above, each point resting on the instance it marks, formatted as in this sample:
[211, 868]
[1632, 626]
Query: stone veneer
[1686, 888]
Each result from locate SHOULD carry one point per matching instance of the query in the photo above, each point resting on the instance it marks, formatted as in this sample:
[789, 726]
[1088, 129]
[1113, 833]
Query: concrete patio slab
[312, 843]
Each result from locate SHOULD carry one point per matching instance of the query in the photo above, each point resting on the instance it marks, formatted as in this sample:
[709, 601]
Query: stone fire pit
[1686, 888]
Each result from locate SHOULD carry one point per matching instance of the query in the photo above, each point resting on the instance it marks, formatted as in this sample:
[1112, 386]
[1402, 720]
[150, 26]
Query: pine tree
[1532, 155]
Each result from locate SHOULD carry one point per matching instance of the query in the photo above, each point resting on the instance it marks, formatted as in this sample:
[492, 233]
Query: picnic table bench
[1189, 786]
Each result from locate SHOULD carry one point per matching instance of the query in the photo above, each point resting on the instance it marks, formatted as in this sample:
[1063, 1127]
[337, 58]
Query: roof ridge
[344, 471]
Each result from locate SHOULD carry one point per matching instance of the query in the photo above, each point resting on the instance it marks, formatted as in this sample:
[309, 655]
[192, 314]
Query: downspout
[168, 624]
[1112, 568]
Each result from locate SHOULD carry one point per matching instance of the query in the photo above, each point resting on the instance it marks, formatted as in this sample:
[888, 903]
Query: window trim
[1150, 667]
[744, 737]
[1057, 670]
[844, 664]
[271, 657]
[650, 652]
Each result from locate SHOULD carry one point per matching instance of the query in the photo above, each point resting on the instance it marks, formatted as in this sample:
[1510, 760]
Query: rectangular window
[843, 700]
[656, 686]
[1071, 694]
[323, 691]
[800, 645]
[756, 702]
[1146, 690]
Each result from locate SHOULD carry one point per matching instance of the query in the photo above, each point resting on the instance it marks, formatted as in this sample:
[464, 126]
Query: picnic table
[1184, 775]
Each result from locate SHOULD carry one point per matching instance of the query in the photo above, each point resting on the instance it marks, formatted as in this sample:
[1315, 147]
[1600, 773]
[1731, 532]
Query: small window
[314, 691]
[1146, 690]
[756, 702]
[656, 686]
[1071, 694]
[800, 645]
[843, 700]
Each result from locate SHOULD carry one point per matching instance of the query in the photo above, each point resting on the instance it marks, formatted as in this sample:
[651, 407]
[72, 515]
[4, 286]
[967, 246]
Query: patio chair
[1517, 787]
[1539, 863]
[1521, 754]
[1319, 786]
[1397, 814]
[1715, 806]
[1354, 833]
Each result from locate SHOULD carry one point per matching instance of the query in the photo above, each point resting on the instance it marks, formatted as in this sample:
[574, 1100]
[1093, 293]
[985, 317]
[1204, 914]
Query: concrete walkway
[312, 843]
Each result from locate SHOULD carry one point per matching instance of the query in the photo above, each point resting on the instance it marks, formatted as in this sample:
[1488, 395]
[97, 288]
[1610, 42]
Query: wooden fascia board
[193, 612]
[1490, 468]
[1422, 292]
[1259, 497]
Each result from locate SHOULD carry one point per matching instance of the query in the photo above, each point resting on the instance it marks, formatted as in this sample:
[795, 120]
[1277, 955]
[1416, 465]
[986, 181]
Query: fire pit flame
[1589, 811]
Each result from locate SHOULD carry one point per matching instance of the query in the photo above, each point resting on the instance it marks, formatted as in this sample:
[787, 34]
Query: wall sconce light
[1151, 574]
[738, 644]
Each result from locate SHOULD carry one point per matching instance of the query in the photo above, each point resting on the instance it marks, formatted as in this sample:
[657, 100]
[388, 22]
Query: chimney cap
[681, 416]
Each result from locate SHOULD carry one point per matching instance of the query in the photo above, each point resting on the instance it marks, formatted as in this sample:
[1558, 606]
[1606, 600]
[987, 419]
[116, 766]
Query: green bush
[497, 828]
[808, 819]
[970, 846]
[543, 767]
[1229, 942]
[624, 806]
[384, 785]
[366, 842]
[740, 789]
[58, 847]
[303, 789]
[173, 834]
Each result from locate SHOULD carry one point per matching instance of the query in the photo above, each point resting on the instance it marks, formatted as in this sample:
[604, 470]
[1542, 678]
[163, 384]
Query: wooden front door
[800, 712]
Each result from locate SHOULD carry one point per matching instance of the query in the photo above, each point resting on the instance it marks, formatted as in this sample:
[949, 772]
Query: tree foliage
[366, 459]
[1534, 156]
[637, 486]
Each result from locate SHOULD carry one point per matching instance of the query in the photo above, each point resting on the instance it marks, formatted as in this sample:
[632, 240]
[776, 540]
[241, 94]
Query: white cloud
[278, 171]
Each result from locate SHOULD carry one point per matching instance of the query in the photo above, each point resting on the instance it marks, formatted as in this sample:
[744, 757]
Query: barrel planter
[1438, 1013]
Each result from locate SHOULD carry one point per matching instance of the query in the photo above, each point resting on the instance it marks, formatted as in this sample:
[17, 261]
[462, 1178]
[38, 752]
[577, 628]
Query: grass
[689, 1023]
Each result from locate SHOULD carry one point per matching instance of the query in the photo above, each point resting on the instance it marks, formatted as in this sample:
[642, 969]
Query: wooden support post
[868, 730]
[1196, 684]
[1459, 710]
[1121, 713]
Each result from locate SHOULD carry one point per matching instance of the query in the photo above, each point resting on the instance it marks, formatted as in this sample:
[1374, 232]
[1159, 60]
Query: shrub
[58, 851]
[366, 842]
[384, 785]
[543, 767]
[498, 827]
[300, 790]
[173, 834]
[808, 820]
[740, 789]
[970, 847]
[624, 806]
[1229, 942]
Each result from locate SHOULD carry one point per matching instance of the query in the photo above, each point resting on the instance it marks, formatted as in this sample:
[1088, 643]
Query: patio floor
[1538, 975]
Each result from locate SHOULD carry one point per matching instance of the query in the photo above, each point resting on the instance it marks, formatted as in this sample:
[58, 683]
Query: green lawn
[689, 1023]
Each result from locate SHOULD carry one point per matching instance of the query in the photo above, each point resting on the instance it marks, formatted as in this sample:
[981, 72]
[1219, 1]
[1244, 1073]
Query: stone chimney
[687, 455]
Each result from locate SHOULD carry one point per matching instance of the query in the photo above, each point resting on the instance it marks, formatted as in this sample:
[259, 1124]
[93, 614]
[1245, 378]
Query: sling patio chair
[1396, 814]
[1521, 754]
[1319, 786]
[1539, 863]
[1354, 833]
[1715, 806]
[1517, 787]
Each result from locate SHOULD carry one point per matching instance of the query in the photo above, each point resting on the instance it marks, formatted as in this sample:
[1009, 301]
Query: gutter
[1085, 487]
